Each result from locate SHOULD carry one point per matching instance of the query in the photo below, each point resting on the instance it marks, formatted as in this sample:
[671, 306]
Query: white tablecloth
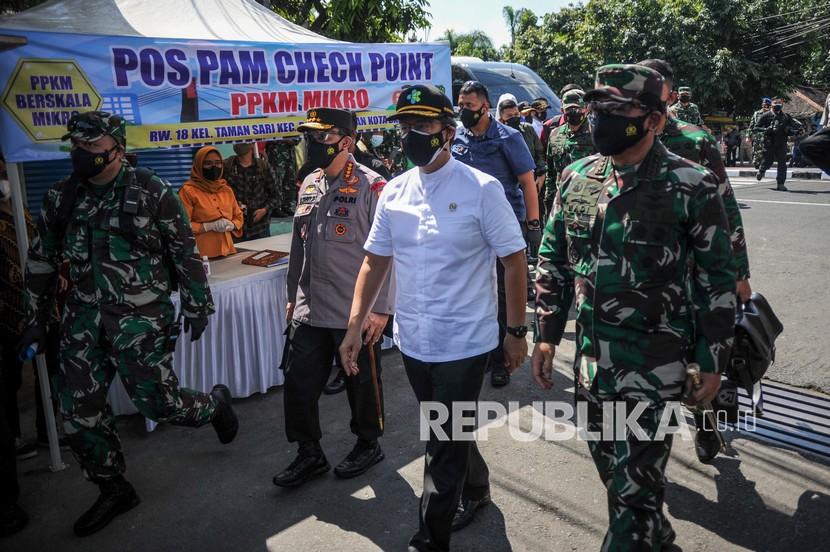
[243, 343]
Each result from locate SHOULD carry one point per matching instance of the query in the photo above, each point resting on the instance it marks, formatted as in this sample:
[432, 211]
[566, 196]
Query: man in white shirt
[443, 224]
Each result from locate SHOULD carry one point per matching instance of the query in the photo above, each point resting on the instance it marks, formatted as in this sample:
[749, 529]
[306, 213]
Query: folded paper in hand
[266, 258]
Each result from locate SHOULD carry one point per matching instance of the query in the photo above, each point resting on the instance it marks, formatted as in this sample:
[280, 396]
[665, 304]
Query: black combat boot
[781, 187]
[224, 419]
[336, 385]
[707, 446]
[309, 463]
[117, 496]
[363, 456]
[759, 175]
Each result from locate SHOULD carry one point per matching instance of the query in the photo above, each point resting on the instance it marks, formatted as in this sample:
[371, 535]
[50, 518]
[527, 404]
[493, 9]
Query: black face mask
[542, 115]
[777, 108]
[514, 122]
[685, 99]
[321, 155]
[87, 164]
[470, 118]
[212, 173]
[422, 149]
[574, 117]
[613, 134]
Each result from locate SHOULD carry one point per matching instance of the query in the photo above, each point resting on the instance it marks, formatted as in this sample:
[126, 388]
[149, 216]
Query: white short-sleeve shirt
[444, 231]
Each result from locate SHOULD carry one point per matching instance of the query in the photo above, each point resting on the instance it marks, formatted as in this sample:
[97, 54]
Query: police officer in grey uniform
[334, 213]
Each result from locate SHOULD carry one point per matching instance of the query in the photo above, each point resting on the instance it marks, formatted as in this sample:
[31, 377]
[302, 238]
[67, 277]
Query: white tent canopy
[231, 20]
[236, 20]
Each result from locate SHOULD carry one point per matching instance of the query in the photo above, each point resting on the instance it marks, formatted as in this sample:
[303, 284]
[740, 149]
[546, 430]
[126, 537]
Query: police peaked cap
[326, 118]
[424, 100]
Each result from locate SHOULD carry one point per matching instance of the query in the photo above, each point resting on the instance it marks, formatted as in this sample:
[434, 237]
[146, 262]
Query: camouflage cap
[573, 98]
[94, 125]
[684, 90]
[628, 84]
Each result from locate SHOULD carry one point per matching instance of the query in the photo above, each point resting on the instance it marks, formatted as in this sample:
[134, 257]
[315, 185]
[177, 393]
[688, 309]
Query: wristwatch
[517, 331]
[534, 224]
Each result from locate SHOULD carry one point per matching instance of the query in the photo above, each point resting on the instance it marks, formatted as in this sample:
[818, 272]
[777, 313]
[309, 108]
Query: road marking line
[782, 202]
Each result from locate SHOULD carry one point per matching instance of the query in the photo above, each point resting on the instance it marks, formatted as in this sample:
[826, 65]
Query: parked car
[501, 78]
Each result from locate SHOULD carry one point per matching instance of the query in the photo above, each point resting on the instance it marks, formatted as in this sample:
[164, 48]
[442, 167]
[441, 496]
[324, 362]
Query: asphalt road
[788, 234]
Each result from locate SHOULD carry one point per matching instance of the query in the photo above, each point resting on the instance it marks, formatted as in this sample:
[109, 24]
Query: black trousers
[495, 362]
[12, 374]
[776, 154]
[310, 355]
[453, 469]
[9, 489]
[731, 155]
[816, 148]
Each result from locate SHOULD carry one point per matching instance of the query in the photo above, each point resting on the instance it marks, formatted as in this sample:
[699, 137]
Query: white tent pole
[16, 183]
[18, 212]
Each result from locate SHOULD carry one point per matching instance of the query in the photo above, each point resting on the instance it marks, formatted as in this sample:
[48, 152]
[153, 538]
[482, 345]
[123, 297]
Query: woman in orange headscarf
[211, 205]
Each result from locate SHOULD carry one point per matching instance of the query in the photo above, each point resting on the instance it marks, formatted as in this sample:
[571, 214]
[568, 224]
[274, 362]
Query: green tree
[475, 43]
[356, 20]
[729, 51]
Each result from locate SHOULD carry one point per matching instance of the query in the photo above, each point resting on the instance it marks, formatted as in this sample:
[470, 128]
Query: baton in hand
[693, 371]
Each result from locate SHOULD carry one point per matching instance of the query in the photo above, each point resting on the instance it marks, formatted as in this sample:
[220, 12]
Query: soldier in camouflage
[695, 144]
[624, 226]
[127, 240]
[684, 109]
[758, 135]
[283, 161]
[568, 142]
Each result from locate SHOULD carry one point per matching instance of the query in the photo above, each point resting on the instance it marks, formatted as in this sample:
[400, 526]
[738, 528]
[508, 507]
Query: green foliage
[357, 20]
[730, 52]
[475, 43]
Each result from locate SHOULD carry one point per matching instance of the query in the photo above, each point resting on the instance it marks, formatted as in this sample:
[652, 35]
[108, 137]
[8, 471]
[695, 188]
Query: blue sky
[484, 15]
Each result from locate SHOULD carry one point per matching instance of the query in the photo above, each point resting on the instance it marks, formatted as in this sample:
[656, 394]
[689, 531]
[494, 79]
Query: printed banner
[184, 93]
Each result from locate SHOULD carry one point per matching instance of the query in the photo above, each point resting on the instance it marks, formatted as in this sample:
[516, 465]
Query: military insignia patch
[310, 189]
[414, 96]
[347, 190]
[340, 229]
[341, 212]
[303, 209]
[377, 187]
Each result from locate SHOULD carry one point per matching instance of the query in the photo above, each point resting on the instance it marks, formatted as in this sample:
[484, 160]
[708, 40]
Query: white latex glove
[221, 225]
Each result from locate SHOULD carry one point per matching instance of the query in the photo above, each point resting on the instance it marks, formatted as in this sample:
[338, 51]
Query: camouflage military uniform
[695, 144]
[564, 147]
[118, 311]
[618, 242]
[688, 113]
[255, 187]
[757, 139]
[283, 162]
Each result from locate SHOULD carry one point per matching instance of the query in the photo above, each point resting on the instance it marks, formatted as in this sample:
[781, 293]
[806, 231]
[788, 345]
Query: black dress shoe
[707, 446]
[12, 520]
[305, 467]
[499, 377]
[224, 419]
[117, 496]
[467, 511]
[362, 457]
[336, 385]
[781, 188]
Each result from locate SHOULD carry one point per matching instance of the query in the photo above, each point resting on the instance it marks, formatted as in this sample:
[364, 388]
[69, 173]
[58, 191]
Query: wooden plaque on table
[266, 258]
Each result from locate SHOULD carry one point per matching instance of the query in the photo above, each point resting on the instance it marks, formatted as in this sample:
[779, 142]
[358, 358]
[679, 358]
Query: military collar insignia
[350, 179]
